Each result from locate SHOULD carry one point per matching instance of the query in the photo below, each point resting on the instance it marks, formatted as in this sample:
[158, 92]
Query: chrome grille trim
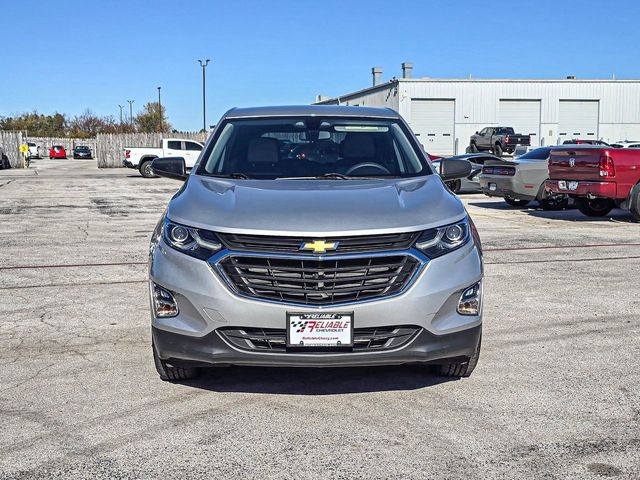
[414, 261]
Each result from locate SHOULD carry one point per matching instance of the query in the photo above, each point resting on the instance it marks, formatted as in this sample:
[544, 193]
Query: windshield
[310, 147]
[537, 154]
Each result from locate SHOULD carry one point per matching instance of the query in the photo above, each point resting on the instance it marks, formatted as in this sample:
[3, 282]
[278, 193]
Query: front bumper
[584, 188]
[211, 349]
[206, 304]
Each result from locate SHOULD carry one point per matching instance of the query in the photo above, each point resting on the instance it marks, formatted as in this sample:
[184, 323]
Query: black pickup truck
[497, 140]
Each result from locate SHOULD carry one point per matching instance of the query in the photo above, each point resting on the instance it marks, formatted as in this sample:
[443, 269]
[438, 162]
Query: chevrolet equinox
[314, 236]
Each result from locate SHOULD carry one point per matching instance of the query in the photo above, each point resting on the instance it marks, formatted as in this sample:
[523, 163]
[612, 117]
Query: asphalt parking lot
[556, 393]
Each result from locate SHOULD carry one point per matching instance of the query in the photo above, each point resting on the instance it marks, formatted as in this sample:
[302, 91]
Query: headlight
[195, 242]
[441, 240]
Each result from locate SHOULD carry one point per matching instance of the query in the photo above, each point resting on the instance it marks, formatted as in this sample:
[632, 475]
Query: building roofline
[397, 81]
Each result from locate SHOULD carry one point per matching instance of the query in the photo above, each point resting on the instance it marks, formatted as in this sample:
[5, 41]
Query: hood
[315, 207]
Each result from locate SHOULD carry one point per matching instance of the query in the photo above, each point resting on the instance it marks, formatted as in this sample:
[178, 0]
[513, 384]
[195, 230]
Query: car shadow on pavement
[571, 213]
[316, 381]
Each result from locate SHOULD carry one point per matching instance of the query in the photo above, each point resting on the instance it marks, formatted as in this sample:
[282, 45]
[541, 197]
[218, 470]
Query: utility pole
[203, 64]
[159, 110]
[121, 107]
[131, 111]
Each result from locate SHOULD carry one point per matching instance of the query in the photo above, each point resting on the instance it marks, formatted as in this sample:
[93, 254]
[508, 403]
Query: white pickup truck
[140, 158]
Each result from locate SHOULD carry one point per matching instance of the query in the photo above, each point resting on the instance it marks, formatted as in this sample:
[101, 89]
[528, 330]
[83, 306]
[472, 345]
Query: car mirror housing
[170, 167]
[454, 169]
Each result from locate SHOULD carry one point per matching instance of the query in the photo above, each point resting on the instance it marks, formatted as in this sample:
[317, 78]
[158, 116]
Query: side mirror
[454, 169]
[170, 167]
[477, 133]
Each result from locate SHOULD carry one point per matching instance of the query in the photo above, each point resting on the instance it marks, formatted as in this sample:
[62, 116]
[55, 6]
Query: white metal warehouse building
[444, 113]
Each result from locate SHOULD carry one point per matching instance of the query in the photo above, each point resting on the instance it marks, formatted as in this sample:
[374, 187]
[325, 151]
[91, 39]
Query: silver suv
[314, 236]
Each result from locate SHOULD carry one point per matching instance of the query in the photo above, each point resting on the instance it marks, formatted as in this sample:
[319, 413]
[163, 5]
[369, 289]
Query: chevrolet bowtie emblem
[319, 246]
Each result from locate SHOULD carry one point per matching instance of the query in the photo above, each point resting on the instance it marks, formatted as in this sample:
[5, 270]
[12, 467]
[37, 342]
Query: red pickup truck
[598, 178]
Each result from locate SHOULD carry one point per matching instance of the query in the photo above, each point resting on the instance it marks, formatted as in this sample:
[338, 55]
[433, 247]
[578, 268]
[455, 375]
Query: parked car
[626, 144]
[57, 151]
[140, 158]
[522, 180]
[471, 182]
[318, 257]
[34, 150]
[497, 140]
[4, 160]
[82, 151]
[583, 141]
[598, 178]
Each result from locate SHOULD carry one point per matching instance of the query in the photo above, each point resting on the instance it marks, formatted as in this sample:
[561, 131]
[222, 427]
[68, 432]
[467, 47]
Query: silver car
[314, 236]
[521, 181]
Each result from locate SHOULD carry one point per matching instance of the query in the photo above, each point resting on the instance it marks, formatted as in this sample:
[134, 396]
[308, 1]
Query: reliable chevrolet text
[314, 236]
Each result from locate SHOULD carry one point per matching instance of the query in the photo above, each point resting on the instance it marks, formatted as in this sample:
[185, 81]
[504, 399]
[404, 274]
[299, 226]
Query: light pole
[203, 64]
[159, 110]
[130, 111]
[121, 107]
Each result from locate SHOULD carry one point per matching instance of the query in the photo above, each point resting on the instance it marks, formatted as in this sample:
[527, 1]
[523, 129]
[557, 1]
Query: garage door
[523, 116]
[433, 122]
[578, 119]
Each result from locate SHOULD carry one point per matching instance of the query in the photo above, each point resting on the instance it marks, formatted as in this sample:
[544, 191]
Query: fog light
[164, 303]
[469, 303]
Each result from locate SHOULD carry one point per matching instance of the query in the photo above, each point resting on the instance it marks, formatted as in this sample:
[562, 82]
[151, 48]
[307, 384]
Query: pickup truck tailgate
[576, 164]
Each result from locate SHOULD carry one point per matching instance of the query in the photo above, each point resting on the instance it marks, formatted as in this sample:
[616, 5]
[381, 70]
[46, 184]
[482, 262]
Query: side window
[483, 131]
[635, 145]
[174, 145]
[193, 146]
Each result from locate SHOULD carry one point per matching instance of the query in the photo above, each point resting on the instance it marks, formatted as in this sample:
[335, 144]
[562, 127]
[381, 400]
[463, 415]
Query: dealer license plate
[320, 329]
[564, 185]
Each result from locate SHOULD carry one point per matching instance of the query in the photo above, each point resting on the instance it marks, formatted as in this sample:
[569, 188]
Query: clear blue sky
[97, 54]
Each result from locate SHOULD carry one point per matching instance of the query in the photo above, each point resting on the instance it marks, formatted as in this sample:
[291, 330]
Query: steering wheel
[377, 166]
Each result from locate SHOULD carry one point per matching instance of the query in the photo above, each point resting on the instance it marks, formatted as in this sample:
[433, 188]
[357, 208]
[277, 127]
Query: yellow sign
[24, 148]
[319, 246]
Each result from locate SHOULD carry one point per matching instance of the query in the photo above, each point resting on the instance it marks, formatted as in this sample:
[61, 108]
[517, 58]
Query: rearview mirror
[454, 169]
[170, 167]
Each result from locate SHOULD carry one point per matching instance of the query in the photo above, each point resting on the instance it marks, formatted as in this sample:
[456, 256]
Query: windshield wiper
[231, 175]
[332, 175]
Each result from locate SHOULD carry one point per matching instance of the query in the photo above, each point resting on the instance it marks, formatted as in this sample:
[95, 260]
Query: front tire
[464, 369]
[146, 170]
[597, 207]
[514, 202]
[473, 148]
[169, 373]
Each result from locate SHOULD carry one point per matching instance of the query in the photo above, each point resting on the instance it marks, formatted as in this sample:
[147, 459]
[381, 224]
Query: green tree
[149, 119]
[36, 124]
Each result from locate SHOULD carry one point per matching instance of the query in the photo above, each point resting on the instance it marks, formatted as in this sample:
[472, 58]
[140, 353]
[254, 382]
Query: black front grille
[360, 243]
[319, 281]
[364, 339]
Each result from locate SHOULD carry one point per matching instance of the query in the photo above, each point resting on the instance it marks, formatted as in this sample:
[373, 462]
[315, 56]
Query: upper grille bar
[347, 244]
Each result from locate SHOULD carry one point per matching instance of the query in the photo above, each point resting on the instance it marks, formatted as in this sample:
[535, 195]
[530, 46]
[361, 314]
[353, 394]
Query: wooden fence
[10, 143]
[45, 144]
[110, 146]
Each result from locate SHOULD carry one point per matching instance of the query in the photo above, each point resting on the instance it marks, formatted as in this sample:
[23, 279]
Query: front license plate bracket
[321, 330]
